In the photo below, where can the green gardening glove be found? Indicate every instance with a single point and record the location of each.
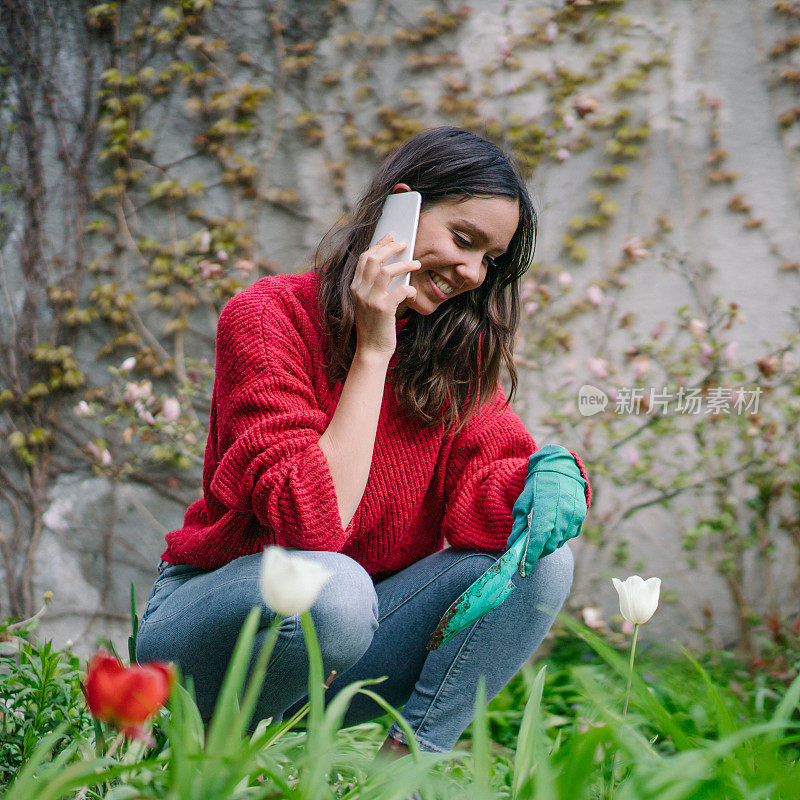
(550, 510)
(552, 506)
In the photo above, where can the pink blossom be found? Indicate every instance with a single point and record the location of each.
(641, 366)
(504, 46)
(551, 31)
(209, 269)
(634, 248)
(592, 617)
(632, 456)
(222, 255)
(627, 627)
(698, 327)
(243, 265)
(565, 278)
(569, 121)
(562, 154)
(595, 294)
(572, 364)
(131, 394)
(170, 410)
(100, 454)
(598, 367)
(138, 391)
(205, 241)
(730, 352)
(83, 409)
(128, 364)
(788, 362)
(706, 351)
(143, 413)
(782, 459)
(531, 308)
(528, 290)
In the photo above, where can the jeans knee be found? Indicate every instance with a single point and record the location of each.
(345, 616)
(558, 568)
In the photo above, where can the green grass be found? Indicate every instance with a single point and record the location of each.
(694, 730)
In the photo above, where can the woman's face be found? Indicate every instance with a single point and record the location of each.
(456, 242)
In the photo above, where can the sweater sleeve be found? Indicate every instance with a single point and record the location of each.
(268, 424)
(485, 473)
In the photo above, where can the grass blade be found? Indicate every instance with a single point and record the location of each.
(480, 738)
(530, 755)
(788, 704)
(134, 626)
(224, 719)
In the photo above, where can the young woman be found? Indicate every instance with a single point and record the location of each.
(367, 429)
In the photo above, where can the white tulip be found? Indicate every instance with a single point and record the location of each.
(290, 583)
(638, 599)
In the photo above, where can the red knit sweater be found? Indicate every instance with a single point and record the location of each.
(266, 481)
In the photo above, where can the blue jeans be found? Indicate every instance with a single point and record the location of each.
(193, 617)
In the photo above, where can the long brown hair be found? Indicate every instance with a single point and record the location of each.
(448, 362)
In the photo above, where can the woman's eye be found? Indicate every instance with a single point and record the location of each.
(464, 242)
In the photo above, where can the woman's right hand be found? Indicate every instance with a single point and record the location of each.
(375, 308)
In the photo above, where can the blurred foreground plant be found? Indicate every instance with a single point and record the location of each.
(683, 738)
(127, 696)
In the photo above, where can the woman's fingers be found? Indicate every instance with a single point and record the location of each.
(375, 306)
(370, 261)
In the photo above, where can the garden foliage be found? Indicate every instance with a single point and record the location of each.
(556, 732)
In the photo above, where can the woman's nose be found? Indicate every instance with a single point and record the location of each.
(470, 270)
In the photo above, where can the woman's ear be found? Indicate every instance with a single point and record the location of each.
(401, 187)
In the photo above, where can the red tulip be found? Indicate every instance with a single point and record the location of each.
(126, 696)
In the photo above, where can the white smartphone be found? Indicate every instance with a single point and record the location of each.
(400, 217)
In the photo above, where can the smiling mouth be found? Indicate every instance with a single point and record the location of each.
(443, 293)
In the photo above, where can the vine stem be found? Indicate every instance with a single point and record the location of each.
(630, 669)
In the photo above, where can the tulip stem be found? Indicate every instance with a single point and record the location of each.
(630, 669)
